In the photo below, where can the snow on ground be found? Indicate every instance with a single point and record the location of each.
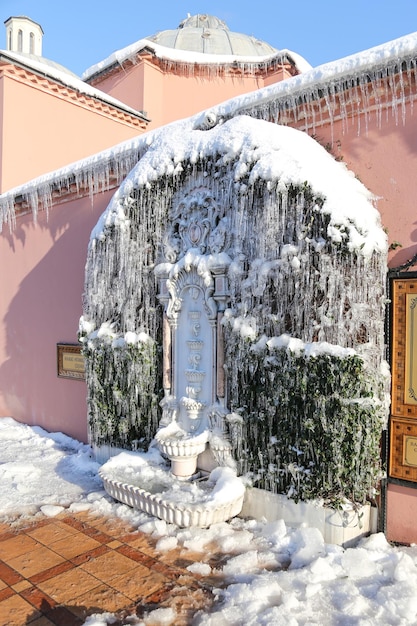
(273, 575)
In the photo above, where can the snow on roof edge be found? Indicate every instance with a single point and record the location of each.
(69, 80)
(184, 56)
(383, 56)
(361, 62)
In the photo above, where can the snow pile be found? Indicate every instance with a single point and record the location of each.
(272, 574)
(261, 151)
(298, 347)
(41, 470)
(149, 472)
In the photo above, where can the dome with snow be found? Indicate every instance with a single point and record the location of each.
(210, 35)
(32, 59)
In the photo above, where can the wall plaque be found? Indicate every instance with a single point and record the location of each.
(70, 361)
(410, 451)
(410, 387)
(403, 449)
(403, 420)
(404, 334)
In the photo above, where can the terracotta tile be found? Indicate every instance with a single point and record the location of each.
(65, 587)
(170, 572)
(142, 543)
(5, 593)
(4, 528)
(132, 537)
(100, 599)
(139, 583)
(184, 603)
(51, 572)
(16, 611)
(90, 555)
(42, 621)
(109, 565)
(181, 558)
(47, 535)
(72, 546)
(72, 522)
(62, 616)
(18, 545)
(9, 575)
(2, 585)
(136, 555)
(86, 516)
(161, 594)
(98, 535)
(35, 561)
(7, 534)
(39, 599)
(24, 584)
(115, 543)
(111, 526)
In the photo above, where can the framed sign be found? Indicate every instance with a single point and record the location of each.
(403, 421)
(410, 451)
(70, 361)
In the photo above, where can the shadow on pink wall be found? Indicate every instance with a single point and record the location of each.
(43, 310)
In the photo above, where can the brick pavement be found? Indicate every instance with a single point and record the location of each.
(58, 571)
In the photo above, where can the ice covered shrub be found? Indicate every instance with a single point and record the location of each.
(311, 424)
(124, 386)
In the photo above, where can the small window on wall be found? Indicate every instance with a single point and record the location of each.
(20, 41)
(9, 45)
(32, 43)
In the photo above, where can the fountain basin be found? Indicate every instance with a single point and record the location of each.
(182, 448)
(179, 444)
(140, 483)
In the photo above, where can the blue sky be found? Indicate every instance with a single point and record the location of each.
(79, 33)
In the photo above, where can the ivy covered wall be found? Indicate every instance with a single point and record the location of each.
(311, 425)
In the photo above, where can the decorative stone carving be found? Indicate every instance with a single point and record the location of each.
(198, 222)
(194, 294)
(195, 283)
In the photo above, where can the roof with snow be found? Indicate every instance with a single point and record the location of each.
(367, 67)
(60, 74)
(210, 35)
(203, 40)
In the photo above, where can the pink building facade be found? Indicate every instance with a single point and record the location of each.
(361, 111)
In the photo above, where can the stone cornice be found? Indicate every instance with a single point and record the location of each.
(86, 101)
(263, 68)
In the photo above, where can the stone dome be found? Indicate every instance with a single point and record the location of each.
(210, 35)
(48, 62)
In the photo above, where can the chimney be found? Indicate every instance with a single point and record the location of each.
(23, 35)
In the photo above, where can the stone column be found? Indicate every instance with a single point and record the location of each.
(166, 356)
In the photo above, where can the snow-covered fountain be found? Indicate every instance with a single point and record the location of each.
(233, 326)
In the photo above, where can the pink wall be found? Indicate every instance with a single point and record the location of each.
(198, 94)
(43, 131)
(166, 97)
(384, 159)
(1, 127)
(40, 306)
